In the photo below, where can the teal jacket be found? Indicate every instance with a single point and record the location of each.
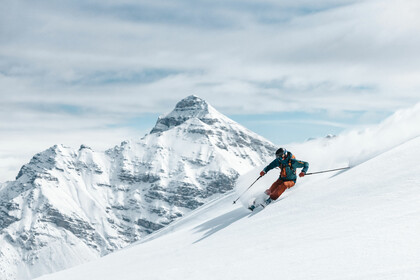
(287, 167)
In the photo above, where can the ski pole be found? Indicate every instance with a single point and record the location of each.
(246, 190)
(327, 170)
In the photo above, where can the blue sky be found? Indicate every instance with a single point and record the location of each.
(99, 72)
(285, 128)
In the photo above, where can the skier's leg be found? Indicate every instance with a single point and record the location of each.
(273, 187)
(289, 184)
(281, 188)
(277, 193)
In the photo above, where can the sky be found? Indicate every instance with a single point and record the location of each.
(99, 72)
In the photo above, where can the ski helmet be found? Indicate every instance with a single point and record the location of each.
(281, 152)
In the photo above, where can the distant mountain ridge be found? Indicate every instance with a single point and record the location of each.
(68, 206)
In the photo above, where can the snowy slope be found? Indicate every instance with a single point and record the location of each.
(68, 206)
(359, 224)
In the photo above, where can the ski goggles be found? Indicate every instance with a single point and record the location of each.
(282, 155)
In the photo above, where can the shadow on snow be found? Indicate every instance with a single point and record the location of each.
(214, 225)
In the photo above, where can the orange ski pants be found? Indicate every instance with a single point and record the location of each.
(278, 187)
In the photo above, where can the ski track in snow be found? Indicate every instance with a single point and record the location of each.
(359, 224)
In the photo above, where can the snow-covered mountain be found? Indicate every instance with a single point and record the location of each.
(363, 223)
(69, 206)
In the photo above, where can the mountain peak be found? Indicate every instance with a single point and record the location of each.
(192, 103)
(188, 108)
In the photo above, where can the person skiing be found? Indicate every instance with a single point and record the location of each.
(288, 164)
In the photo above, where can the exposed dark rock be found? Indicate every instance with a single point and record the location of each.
(128, 177)
(148, 225)
(6, 220)
(77, 226)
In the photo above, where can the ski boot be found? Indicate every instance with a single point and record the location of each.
(252, 207)
(268, 201)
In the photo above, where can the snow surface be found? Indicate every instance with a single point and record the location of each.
(362, 223)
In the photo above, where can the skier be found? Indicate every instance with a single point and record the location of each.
(288, 164)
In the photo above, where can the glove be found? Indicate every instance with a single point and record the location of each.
(262, 173)
(301, 174)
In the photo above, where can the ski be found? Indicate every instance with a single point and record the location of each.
(262, 205)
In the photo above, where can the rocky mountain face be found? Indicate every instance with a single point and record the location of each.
(69, 206)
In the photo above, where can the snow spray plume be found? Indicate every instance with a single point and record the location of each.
(246, 190)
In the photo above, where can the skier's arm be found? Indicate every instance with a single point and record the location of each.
(273, 164)
(300, 164)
